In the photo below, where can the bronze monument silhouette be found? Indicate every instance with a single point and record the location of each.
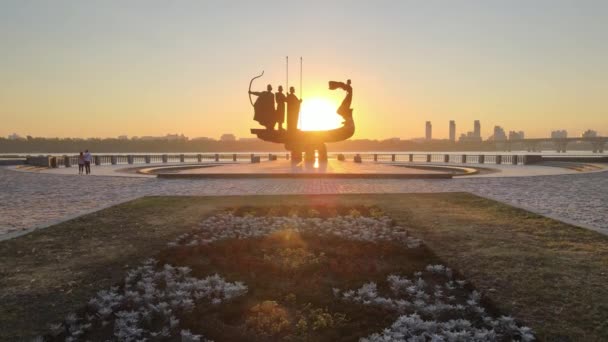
(281, 100)
(297, 141)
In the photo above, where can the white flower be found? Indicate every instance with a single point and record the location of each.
(187, 336)
(411, 327)
(150, 295)
(226, 225)
(56, 329)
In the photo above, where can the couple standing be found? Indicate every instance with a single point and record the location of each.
(84, 162)
(266, 113)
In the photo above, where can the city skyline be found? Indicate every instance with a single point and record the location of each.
(75, 69)
(212, 170)
(428, 134)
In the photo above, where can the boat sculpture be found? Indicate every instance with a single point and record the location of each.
(308, 142)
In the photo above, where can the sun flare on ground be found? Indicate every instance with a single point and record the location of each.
(319, 114)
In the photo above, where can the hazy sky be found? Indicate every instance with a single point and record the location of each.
(107, 68)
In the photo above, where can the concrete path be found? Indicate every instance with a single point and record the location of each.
(32, 200)
(286, 169)
(282, 166)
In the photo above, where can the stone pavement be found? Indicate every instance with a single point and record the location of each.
(282, 166)
(30, 200)
(285, 169)
(503, 170)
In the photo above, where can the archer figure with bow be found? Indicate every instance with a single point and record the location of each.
(297, 141)
(264, 107)
(265, 112)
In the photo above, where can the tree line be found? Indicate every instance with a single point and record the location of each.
(111, 145)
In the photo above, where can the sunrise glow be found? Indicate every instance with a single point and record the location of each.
(319, 114)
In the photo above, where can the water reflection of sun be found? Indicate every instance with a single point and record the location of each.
(319, 114)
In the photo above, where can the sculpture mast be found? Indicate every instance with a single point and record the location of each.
(300, 116)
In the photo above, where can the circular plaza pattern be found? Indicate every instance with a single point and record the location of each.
(35, 199)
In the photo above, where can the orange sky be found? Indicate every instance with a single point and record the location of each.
(156, 67)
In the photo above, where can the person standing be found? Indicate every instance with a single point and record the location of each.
(87, 162)
(293, 110)
(280, 99)
(81, 163)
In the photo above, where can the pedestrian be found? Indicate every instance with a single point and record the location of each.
(81, 163)
(87, 162)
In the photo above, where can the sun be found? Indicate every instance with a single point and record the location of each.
(319, 114)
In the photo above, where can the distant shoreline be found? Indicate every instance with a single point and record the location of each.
(62, 146)
(573, 153)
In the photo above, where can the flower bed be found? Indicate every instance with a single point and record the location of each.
(295, 274)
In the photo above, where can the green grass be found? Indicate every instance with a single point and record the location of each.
(549, 275)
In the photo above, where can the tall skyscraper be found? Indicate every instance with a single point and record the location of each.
(499, 134)
(477, 129)
(452, 131)
(429, 131)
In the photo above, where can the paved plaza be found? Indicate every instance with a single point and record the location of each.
(287, 169)
(29, 200)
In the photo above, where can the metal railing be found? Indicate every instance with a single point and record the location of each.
(442, 158)
(108, 159)
(121, 159)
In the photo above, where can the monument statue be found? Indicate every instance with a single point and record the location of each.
(280, 113)
(293, 110)
(264, 110)
(344, 110)
(297, 141)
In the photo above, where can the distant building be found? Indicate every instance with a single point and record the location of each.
(559, 134)
(202, 139)
(429, 131)
(123, 137)
(175, 137)
(15, 136)
(168, 137)
(499, 134)
(392, 140)
(452, 131)
(513, 135)
(469, 137)
(477, 128)
(227, 137)
(249, 139)
(474, 136)
(590, 134)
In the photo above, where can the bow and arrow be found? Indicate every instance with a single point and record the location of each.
(287, 79)
(251, 82)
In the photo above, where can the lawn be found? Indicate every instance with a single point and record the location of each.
(289, 283)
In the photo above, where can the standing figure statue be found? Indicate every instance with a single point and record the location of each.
(293, 110)
(280, 98)
(344, 110)
(265, 113)
(312, 144)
